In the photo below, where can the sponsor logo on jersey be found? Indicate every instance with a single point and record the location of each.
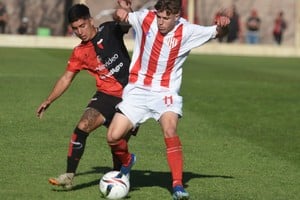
(116, 69)
(100, 66)
(112, 70)
(111, 60)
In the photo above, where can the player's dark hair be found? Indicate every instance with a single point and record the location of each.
(78, 11)
(170, 6)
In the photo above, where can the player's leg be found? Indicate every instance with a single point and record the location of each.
(131, 112)
(168, 122)
(169, 108)
(90, 120)
(116, 138)
(107, 106)
(100, 105)
(117, 164)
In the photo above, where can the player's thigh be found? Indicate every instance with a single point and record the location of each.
(106, 105)
(118, 128)
(135, 106)
(90, 120)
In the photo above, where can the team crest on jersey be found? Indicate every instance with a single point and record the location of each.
(172, 42)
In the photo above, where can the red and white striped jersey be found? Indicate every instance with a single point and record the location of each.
(157, 59)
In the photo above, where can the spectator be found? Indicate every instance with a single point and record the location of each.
(3, 17)
(234, 31)
(23, 28)
(253, 26)
(279, 27)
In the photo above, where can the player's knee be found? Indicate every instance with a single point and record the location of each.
(84, 126)
(170, 132)
(113, 138)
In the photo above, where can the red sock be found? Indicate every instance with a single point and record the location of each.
(120, 150)
(175, 159)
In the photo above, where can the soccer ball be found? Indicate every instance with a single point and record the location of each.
(112, 187)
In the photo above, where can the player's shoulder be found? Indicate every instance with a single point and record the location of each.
(108, 25)
(142, 13)
(107, 28)
(113, 27)
(190, 26)
(185, 22)
(82, 46)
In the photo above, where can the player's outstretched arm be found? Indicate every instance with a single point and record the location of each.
(59, 88)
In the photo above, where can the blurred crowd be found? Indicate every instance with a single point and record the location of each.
(243, 32)
(249, 31)
(23, 26)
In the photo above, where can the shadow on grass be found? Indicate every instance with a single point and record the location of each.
(144, 178)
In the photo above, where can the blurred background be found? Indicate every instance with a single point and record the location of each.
(48, 18)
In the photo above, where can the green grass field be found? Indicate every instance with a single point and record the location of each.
(240, 131)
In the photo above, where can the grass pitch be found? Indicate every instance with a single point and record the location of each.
(240, 131)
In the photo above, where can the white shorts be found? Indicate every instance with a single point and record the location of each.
(140, 104)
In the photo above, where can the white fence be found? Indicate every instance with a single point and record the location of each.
(211, 48)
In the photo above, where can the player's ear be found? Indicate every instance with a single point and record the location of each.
(92, 21)
(177, 16)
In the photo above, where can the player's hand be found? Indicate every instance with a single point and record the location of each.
(121, 15)
(222, 21)
(42, 108)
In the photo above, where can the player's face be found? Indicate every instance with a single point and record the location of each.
(166, 22)
(84, 29)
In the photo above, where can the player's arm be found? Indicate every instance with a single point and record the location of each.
(59, 88)
(222, 23)
(121, 14)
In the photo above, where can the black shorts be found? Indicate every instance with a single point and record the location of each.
(105, 104)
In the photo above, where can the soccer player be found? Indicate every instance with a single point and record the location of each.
(103, 54)
(162, 43)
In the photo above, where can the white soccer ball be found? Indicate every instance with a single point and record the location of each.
(112, 187)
